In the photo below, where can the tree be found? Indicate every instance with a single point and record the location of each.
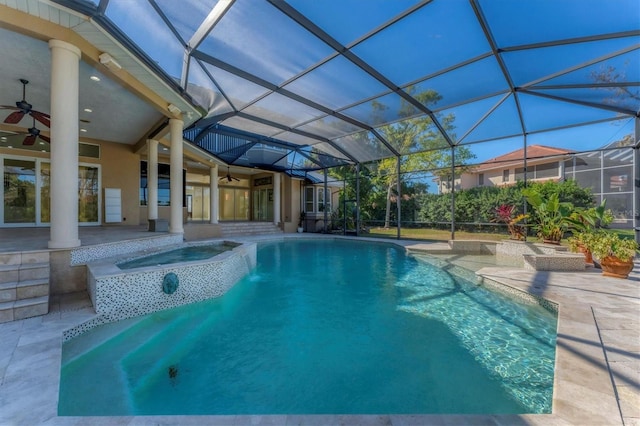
(420, 143)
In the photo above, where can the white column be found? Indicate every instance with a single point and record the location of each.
(276, 198)
(152, 179)
(175, 222)
(213, 194)
(65, 65)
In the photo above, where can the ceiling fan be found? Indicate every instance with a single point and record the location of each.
(23, 108)
(228, 177)
(32, 134)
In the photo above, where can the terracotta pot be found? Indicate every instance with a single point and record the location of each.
(614, 267)
(588, 258)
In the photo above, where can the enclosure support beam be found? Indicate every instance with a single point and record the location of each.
(344, 205)
(324, 200)
(358, 200)
(524, 201)
(398, 190)
(636, 179)
(453, 192)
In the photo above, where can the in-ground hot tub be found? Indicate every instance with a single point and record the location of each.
(137, 285)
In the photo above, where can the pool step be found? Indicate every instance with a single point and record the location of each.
(24, 285)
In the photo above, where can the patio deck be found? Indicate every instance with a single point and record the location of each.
(27, 239)
(597, 380)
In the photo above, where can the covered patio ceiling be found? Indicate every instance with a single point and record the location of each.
(306, 85)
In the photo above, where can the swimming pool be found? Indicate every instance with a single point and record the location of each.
(320, 327)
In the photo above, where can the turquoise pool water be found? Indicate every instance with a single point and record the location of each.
(338, 327)
(183, 254)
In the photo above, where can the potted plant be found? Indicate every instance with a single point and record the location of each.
(614, 253)
(301, 222)
(582, 223)
(551, 219)
(506, 213)
(579, 243)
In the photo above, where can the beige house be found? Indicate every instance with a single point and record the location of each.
(543, 163)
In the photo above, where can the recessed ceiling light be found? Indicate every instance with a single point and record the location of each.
(3, 138)
(88, 110)
(44, 150)
(41, 143)
(9, 146)
(83, 130)
(164, 148)
(95, 78)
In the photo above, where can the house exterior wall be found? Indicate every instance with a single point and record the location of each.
(121, 169)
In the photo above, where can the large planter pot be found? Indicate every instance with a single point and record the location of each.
(614, 267)
(548, 241)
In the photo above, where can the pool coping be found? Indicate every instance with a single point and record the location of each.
(586, 390)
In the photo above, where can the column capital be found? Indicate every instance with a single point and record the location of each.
(64, 45)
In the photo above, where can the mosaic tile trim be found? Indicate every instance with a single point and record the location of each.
(521, 295)
(84, 255)
(502, 288)
(132, 293)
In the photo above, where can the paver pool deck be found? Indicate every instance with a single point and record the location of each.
(597, 376)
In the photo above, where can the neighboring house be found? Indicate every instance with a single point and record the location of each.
(543, 163)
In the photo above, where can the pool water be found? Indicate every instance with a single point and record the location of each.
(183, 254)
(319, 327)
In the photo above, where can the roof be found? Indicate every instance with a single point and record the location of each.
(331, 82)
(536, 153)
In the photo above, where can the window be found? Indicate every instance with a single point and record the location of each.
(324, 201)
(88, 150)
(548, 170)
(88, 194)
(308, 199)
(164, 185)
(505, 175)
(539, 171)
(481, 179)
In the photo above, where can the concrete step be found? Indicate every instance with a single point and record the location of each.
(12, 291)
(25, 308)
(248, 229)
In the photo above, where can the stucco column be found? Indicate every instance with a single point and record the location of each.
(175, 222)
(213, 194)
(65, 65)
(152, 179)
(276, 198)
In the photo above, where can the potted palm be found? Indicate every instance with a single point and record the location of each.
(301, 222)
(551, 219)
(615, 254)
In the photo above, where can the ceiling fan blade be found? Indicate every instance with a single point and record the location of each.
(41, 117)
(9, 107)
(29, 140)
(45, 138)
(14, 117)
